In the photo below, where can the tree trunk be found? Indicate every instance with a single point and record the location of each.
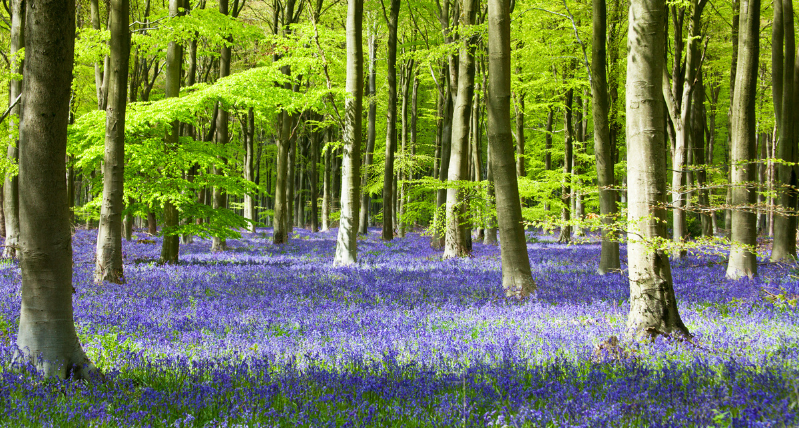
(784, 247)
(437, 240)
(521, 171)
(517, 278)
(402, 172)
(391, 123)
(100, 74)
(743, 258)
(248, 131)
(653, 305)
(108, 265)
(292, 183)
(222, 134)
(565, 212)
(347, 243)
(609, 254)
(491, 224)
(46, 335)
(327, 188)
(457, 242)
(11, 185)
(314, 182)
(363, 223)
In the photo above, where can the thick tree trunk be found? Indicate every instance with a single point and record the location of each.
(457, 242)
(347, 243)
(653, 305)
(743, 259)
(46, 335)
(517, 278)
(609, 254)
(363, 223)
(170, 248)
(108, 265)
(11, 185)
(783, 87)
(391, 123)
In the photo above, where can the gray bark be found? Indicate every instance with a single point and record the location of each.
(457, 242)
(566, 190)
(11, 184)
(347, 243)
(517, 278)
(46, 335)
(609, 254)
(653, 305)
(743, 259)
(327, 188)
(222, 134)
(371, 132)
(248, 135)
(108, 265)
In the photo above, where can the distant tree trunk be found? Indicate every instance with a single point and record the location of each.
(371, 132)
(609, 254)
(248, 135)
(521, 171)
(347, 243)
(327, 187)
(698, 119)
(548, 146)
(743, 259)
(108, 265)
(11, 184)
(152, 225)
(391, 123)
(314, 182)
(517, 278)
(100, 74)
(437, 240)
(491, 226)
(403, 172)
(46, 336)
(458, 240)
(783, 90)
(476, 150)
(222, 134)
(653, 305)
(565, 212)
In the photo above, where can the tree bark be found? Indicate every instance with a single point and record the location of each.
(783, 87)
(517, 278)
(371, 132)
(314, 181)
(46, 335)
(11, 184)
(108, 265)
(248, 135)
(327, 187)
(609, 254)
(566, 190)
(457, 242)
(222, 134)
(653, 305)
(391, 123)
(743, 259)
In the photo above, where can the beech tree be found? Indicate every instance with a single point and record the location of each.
(653, 305)
(347, 242)
(743, 259)
(11, 184)
(109, 234)
(46, 335)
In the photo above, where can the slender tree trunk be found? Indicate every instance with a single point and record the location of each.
(46, 335)
(291, 189)
(743, 259)
(437, 240)
(249, 166)
(391, 123)
(548, 146)
(517, 278)
(222, 135)
(457, 242)
(653, 305)
(280, 234)
(314, 182)
(565, 212)
(11, 185)
(698, 119)
(521, 171)
(402, 172)
(371, 132)
(347, 242)
(327, 188)
(783, 87)
(491, 226)
(108, 265)
(100, 74)
(609, 254)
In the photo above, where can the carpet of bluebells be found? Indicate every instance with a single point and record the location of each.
(265, 335)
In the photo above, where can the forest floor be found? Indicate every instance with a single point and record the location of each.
(265, 335)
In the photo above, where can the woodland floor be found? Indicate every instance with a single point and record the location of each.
(265, 335)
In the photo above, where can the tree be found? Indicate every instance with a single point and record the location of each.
(391, 121)
(108, 265)
(11, 184)
(46, 335)
(347, 243)
(517, 279)
(457, 241)
(653, 305)
(609, 256)
(371, 132)
(743, 259)
(783, 87)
